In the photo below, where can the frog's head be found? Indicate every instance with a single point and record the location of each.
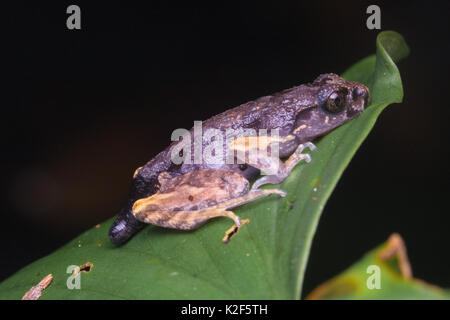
(335, 102)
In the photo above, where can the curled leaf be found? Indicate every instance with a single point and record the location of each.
(383, 273)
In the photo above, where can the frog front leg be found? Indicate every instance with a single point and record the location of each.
(253, 151)
(143, 210)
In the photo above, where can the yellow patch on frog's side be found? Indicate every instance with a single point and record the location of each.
(182, 198)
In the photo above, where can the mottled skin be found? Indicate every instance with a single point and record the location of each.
(187, 201)
(301, 114)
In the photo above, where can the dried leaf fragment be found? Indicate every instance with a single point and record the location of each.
(396, 248)
(35, 292)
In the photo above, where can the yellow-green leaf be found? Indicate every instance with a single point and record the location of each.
(383, 273)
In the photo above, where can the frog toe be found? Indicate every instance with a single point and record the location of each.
(272, 179)
(234, 230)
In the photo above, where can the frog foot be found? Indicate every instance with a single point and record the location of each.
(311, 146)
(285, 169)
(234, 229)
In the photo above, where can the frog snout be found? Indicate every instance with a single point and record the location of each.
(361, 92)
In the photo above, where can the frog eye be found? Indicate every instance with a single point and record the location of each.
(335, 101)
(243, 167)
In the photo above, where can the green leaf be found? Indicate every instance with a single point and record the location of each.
(266, 260)
(383, 273)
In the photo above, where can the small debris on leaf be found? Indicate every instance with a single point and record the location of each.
(35, 292)
(87, 267)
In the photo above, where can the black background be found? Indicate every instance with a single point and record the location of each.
(84, 108)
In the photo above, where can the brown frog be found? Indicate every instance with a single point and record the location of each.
(185, 195)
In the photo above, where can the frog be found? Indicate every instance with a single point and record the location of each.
(185, 195)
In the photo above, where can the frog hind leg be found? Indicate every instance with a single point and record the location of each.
(250, 152)
(232, 203)
(190, 220)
